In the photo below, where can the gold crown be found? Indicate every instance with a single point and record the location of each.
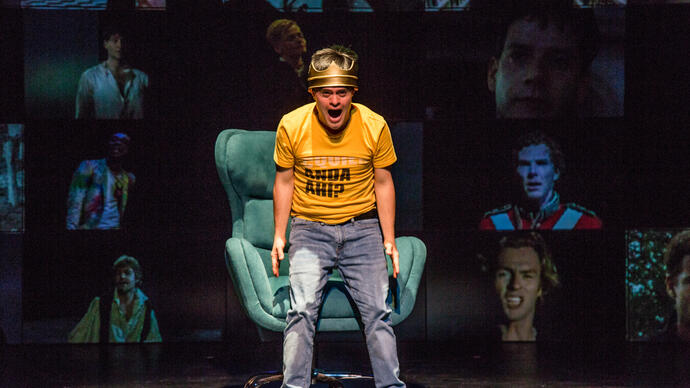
(332, 76)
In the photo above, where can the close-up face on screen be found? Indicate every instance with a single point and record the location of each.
(525, 287)
(658, 285)
(531, 63)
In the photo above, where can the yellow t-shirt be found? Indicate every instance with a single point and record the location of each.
(334, 175)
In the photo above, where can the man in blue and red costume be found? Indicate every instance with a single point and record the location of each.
(539, 163)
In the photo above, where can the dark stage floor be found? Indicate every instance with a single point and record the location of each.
(423, 364)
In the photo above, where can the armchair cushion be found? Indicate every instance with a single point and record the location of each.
(258, 222)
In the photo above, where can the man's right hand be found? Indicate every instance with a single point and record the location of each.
(277, 254)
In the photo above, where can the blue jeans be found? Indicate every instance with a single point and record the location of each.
(356, 249)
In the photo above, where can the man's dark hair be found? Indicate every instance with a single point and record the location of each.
(111, 30)
(676, 250)
(561, 13)
(536, 138)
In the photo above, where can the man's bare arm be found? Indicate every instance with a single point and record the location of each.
(282, 203)
(385, 203)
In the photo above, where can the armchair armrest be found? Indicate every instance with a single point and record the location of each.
(251, 283)
(412, 259)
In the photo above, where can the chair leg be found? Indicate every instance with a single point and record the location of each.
(261, 379)
(332, 379)
(332, 382)
(338, 377)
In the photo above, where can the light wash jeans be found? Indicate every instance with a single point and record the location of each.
(356, 249)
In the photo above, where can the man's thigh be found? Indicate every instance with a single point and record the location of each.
(312, 253)
(363, 265)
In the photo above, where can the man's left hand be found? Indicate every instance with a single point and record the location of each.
(392, 251)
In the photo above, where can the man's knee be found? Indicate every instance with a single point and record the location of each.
(303, 313)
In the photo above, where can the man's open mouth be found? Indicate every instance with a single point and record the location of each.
(335, 113)
(513, 301)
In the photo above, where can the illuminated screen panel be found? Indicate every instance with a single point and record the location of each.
(92, 286)
(153, 5)
(319, 6)
(65, 4)
(95, 5)
(658, 2)
(579, 74)
(468, 296)
(446, 5)
(651, 302)
(70, 58)
(12, 182)
(462, 5)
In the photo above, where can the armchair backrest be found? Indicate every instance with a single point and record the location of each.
(244, 160)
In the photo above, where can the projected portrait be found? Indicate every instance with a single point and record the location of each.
(543, 68)
(158, 5)
(100, 188)
(446, 5)
(112, 89)
(523, 274)
(350, 6)
(126, 315)
(538, 164)
(279, 86)
(658, 2)
(526, 59)
(658, 285)
(94, 5)
(12, 181)
(463, 5)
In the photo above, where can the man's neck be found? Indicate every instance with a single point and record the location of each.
(115, 166)
(546, 201)
(536, 207)
(126, 298)
(295, 62)
(520, 331)
(114, 64)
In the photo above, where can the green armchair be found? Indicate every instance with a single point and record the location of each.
(244, 160)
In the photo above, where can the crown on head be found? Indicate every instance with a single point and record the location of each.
(332, 76)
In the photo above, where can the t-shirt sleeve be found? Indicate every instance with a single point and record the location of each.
(385, 153)
(282, 154)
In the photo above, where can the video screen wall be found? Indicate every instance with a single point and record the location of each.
(12, 198)
(542, 159)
